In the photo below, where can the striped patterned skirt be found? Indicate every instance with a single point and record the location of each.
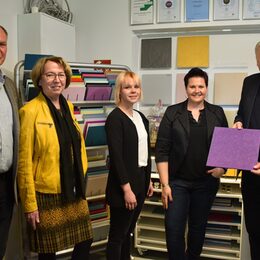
(61, 225)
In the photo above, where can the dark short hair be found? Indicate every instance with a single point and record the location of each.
(196, 72)
(5, 31)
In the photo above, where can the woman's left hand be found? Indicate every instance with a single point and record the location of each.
(150, 190)
(216, 172)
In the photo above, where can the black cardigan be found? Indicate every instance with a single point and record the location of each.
(122, 141)
(173, 136)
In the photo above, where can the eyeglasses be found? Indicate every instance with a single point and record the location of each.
(52, 76)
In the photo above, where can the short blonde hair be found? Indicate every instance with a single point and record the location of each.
(122, 79)
(38, 69)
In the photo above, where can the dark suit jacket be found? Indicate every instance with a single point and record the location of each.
(249, 91)
(13, 97)
(173, 136)
(122, 141)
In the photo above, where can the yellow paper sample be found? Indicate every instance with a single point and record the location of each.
(193, 51)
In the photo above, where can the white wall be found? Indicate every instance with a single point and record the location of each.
(8, 18)
(102, 30)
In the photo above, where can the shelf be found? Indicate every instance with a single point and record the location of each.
(95, 103)
(234, 249)
(230, 180)
(151, 236)
(157, 190)
(155, 176)
(150, 211)
(101, 196)
(100, 223)
(236, 209)
(231, 236)
(192, 28)
(238, 225)
(98, 163)
(229, 195)
(151, 246)
(151, 224)
(220, 255)
(158, 203)
(99, 147)
(100, 242)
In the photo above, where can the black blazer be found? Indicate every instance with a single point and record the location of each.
(248, 95)
(122, 139)
(173, 136)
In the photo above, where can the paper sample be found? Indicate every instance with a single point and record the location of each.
(193, 51)
(234, 148)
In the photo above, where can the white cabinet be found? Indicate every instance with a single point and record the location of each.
(39, 33)
(226, 236)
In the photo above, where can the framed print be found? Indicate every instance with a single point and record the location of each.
(142, 11)
(197, 10)
(251, 9)
(226, 10)
(168, 11)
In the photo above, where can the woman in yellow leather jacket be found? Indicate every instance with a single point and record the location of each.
(52, 166)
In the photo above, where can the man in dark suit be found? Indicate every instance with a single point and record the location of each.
(9, 138)
(248, 116)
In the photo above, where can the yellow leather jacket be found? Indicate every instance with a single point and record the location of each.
(39, 152)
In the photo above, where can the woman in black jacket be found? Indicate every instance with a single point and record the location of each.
(130, 165)
(188, 186)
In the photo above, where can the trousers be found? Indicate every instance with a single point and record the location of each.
(191, 205)
(6, 209)
(250, 188)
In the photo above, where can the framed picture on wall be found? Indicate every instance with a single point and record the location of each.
(142, 12)
(168, 11)
(196, 10)
(226, 9)
(251, 9)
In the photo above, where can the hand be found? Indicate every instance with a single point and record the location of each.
(129, 197)
(150, 190)
(256, 169)
(216, 172)
(33, 218)
(166, 195)
(238, 125)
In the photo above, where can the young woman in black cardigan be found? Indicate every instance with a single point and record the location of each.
(130, 165)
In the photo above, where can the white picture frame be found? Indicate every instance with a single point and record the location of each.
(142, 12)
(226, 10)
(168, 11)
(251, 9)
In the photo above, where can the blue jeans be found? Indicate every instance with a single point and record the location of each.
(191, 204)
